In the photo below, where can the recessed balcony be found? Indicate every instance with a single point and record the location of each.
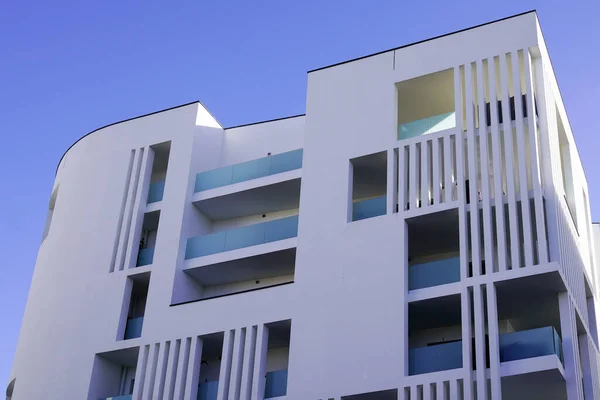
(246, 171)
(156, 191)
(246, 236)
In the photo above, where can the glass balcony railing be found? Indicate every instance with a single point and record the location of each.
(427, 125)
(155, 192)
(369, 208)
(134, 328)
(123, 397)
(531, 343)
(254, 169)
(208, 390)
(434, 273)
(439, 357)
(245, 236)
(276, 384)
(145, 256)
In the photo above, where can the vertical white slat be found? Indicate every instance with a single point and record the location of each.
(473, 197)
(509, 160)
(193, 370)
(454, 389)
(494, 346)
(172, 370)
(124, 199)
(151, 372)
(161, 372)
(182, 365)
(140, 373)
(497, 162)
(480, 342)
(448, 170)
(139, 209)
(260, 362)
(427, 391)
(488, 237)
(129, 207)
(403, 307)
(460, 143)
(570, 346)
(436, 165)
(413, 176)
(425, 173)
(236, 364)
(414, 392)
(225, 372)
(402, 183)
(522, 162)
(404, 393)
(440, 391)
(248, 365)
(465, 316)
(391, 182)
(536, 178)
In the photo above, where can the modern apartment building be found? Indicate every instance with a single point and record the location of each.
(422, 232)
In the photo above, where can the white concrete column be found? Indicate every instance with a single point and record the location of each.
(237, 363)
(493, 335)
(467, 349)
(193, 371)
(570, 347)
(248, 364)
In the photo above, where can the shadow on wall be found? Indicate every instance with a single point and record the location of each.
(10, 388)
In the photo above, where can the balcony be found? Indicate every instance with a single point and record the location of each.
(208, 390)
(369, 208)
(276, 383)
(155, 192)
(440, 357)
(123, 397)
(134, 328)
(145, 256)
(238, 238)
(427, 125)
(434, 273)
(254, 169)
(530, 343)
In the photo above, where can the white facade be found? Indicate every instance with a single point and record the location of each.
(329, 255)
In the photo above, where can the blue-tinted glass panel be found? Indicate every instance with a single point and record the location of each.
(276, 384)
(245, 236)
(156, 191)
(145, 256)
(134, 328)
(124, 397)
(440, 357)
(208, 390)
(528, 344)
(249, 170)
(286, 161)
(213, 178)
(369, 208)
(434, 273)
(426, 125)
(280, 229)
(204, 245)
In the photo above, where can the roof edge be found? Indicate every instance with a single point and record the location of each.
(266, 121)
(423, 41)
(126, 120)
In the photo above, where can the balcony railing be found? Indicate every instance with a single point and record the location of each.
(245, 236)
(513, 346)
(434, 273)
(208, 390)
(439, 357)
(427, 125)
(254, 169)
(145, 256)
(369, 208)
(276, 384)
(531, 343)
(155, 192)
(123, 397)
(134, 328)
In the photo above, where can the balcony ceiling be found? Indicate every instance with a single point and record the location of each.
(278, 263)
(261, 200)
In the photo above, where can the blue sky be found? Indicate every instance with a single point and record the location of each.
(67, 68)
